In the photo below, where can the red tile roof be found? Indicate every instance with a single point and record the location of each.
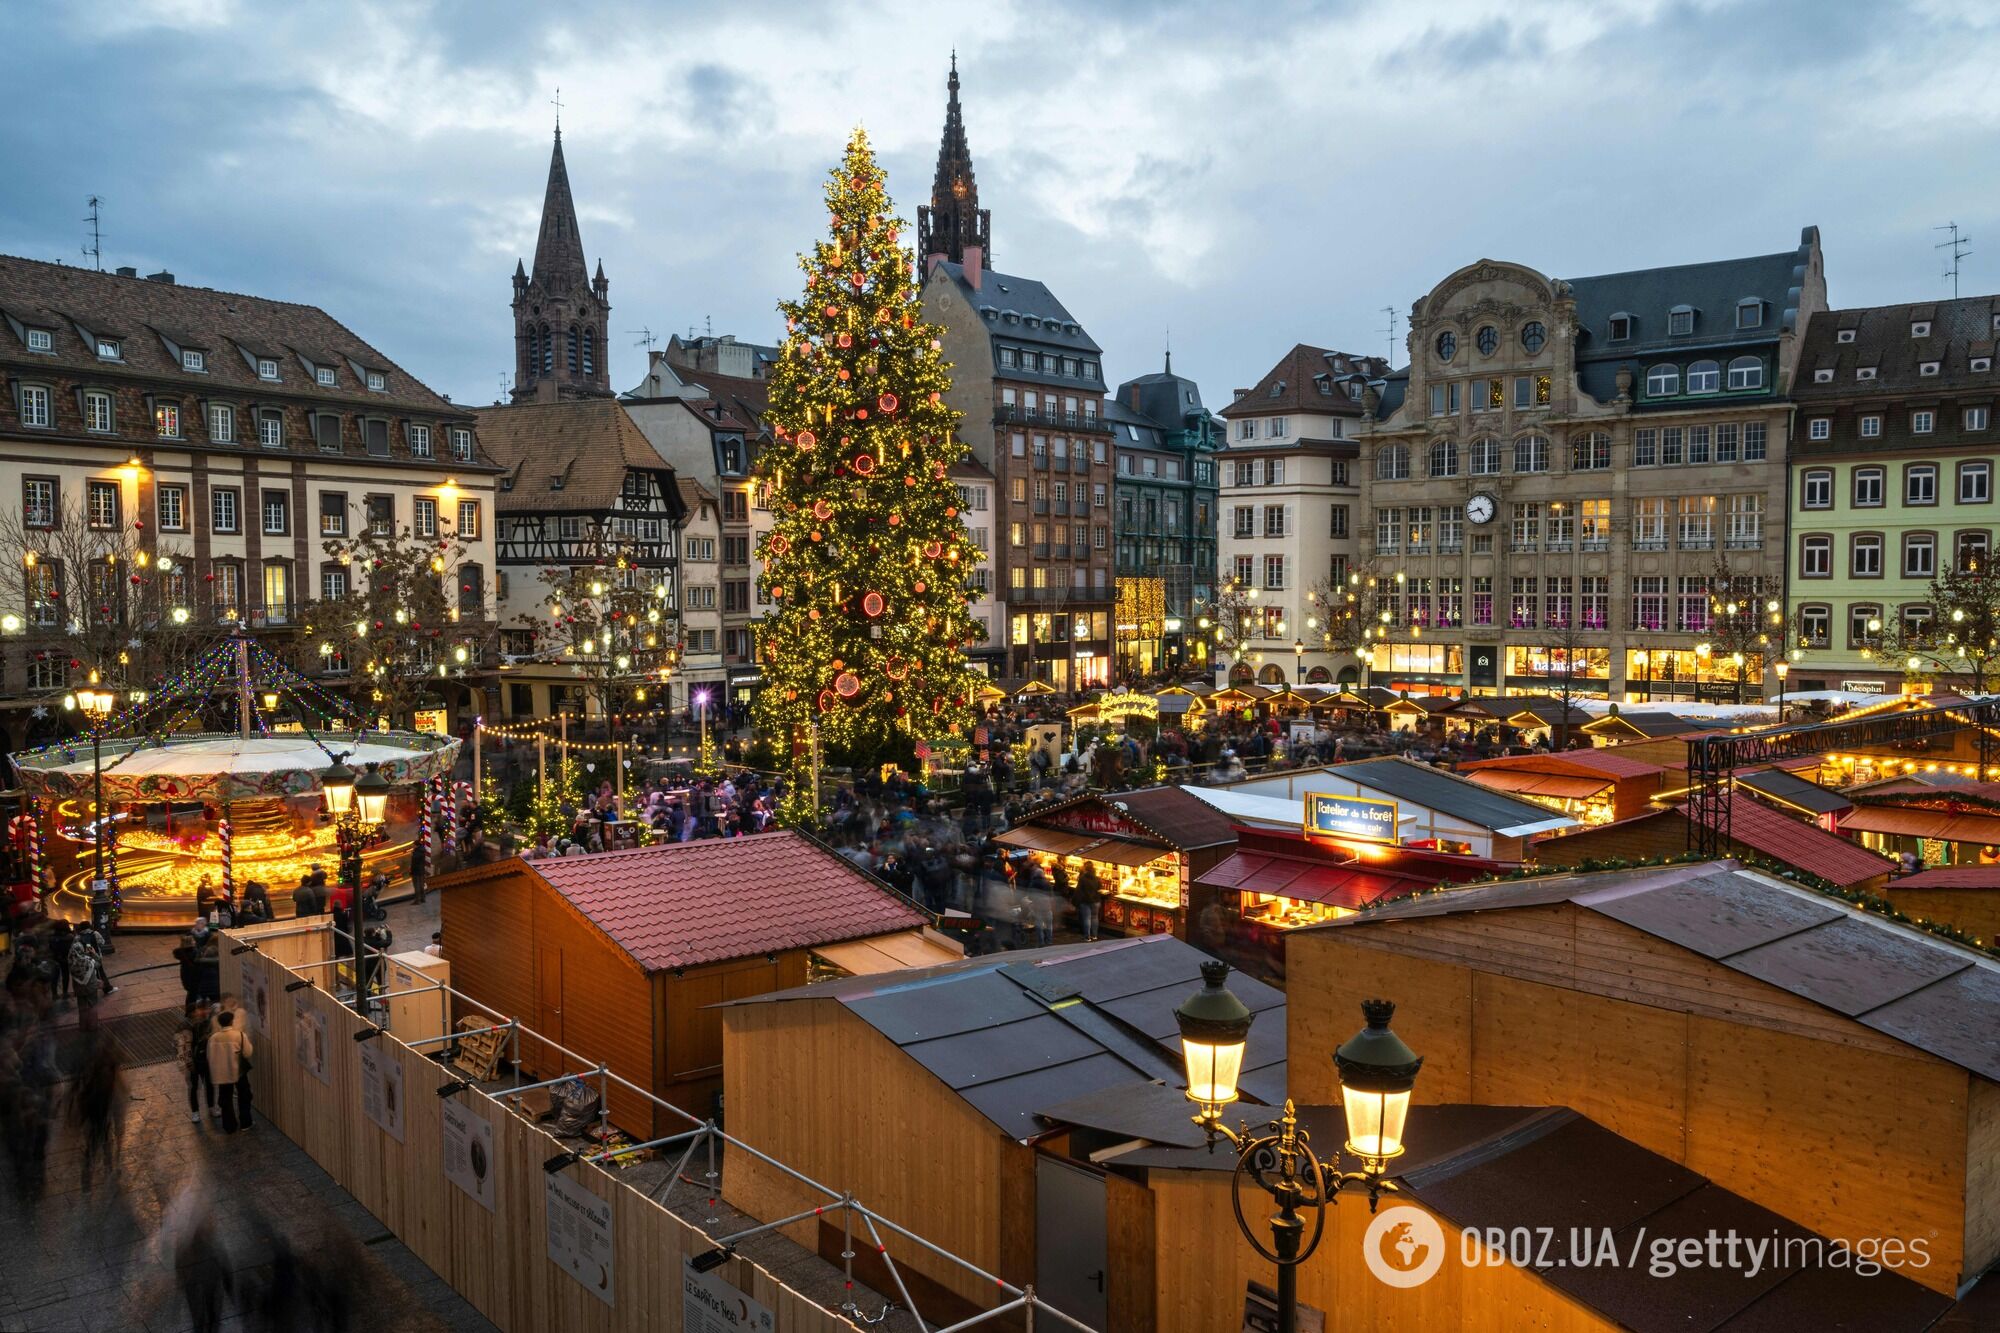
(684, 904)
(1309, 880)
(1952, 877)
(1807, 847)
(1576, 762)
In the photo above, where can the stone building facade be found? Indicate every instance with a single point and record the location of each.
(1575, 478)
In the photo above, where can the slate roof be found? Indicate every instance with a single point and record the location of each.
(745, 400)
(1309, 379)
(568, 455)
(1007, 302)
(1607, 762)
(1916, 987)
(1796, 843)
(1449, 794)
(1792, 789)
(688, 903)
(1015, 1033)
(153, 319)
(1653, 725)
(1961, 329)
(1712, 288)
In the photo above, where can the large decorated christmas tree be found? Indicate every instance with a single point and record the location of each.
(866, 561)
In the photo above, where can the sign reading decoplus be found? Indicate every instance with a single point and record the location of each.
(1351, 817)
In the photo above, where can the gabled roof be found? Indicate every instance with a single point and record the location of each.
(1806, 846)
(1172, 814)
(569, 455)
(1927, 992)
(1790, 789)
(1309, 379)
(688, 903)
(1583, 763)
(1652, 726)
(1952, 877)
(744, 400)
(1015, 1033)
(1449, 794)
(232, 328)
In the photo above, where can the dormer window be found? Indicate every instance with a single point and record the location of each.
(1920, 328)
(1621, 328)
(1324, 383)
(108, 349)
(377, 381)
(1278, 389)
(1749, 313)
(461, 444)
(1927, 368)
(1844, 336)
(41, 340)
(1981, 364)
(1680, 321)
(267, 368)
(324, 375)
(555, 481)
(194, 361)
(1822, 376)
(1864, 373)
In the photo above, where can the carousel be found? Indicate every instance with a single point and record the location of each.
(159, 817)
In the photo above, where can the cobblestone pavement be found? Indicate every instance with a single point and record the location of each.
(91, 1259)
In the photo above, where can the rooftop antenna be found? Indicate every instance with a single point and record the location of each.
(1960, 247)
(504, 377)
(1390, 311)
(708, 325)
(646, 339)
(1170, 349)
(95, 250)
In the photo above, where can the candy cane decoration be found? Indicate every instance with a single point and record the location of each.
(26, 834)
(228, 855)
(424, 825)
(461, 799)
(41, 840)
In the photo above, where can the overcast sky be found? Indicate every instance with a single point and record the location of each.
(1249, 176)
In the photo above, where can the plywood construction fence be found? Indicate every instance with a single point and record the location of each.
(1833, 1124)
(369, 1114)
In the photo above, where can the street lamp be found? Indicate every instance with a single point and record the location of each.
(357, 805)
(1298, 662)
(1377, 1073)
(1783, 668)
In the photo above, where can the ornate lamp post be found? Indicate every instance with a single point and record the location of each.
(358, 806)
(1377, 1072)
(96, 705)
(1298, 662)
(1783, 668)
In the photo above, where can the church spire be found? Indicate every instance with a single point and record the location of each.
(953, 221)
(561, 313)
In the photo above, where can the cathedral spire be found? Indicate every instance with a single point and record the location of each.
(559, 249)
(953, 221)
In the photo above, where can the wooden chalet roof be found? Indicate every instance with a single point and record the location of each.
(1171, 814)
(1927, 992)
(1797, 843)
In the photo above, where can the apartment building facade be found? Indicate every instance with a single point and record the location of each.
(1029, 383)
(1164, 442)
(1892, 479)
(220, 440)
(1573, 477)
(1290, 510)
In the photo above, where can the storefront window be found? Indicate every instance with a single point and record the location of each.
(1422, 659)
(1687, 668)
(1539, 660)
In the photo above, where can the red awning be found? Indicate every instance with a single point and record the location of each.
(1309, 881)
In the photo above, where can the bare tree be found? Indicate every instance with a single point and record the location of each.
(1743, 625)
(408, 612)
(614, 623)
(90, 602)
(1345, 613)
(1959, 638)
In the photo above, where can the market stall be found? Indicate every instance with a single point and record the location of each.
(1592, 786)
(1147, 847)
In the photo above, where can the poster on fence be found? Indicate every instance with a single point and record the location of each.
(382, 1090)
(257, 997)
(580, 1234)
(309, 1037)
(710, 1305)
(468, 1150)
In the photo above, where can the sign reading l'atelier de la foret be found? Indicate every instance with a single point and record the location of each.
(1351, 817)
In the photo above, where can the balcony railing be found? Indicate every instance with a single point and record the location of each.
(1451, 548)
(1041, 506)
(1558, 544)
(1745, 543)
(1014, 414)
(1041, 550)
(1594, 544)
(1649, 543)
(1697, 543)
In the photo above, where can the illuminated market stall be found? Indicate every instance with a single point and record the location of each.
(1147, 848)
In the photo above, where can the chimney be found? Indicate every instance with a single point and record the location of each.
(973, 257)
(128, 272)
(1135, 398)
(161, 276)
(1240, 395)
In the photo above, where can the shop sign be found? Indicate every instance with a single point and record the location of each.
(1861, 686)
(1351, 817)
(1485, 663)
(711, 1305)
(1096, 819)
(1113, 706)
(432, 720)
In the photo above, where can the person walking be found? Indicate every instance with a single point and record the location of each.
(420, 867)
(191, 1045)
(1089, 900)
(229, 1053)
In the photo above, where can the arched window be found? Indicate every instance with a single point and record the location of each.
(1393, 463)
(1271, 675)
(1485, 457)
(1531, 453)
(1663, 381)
(1746, 372)
(589, 352)
(548, 352)
(572, 360)
(1704, 377)
(1444, 459)
(1241, 674)
(1318, 675)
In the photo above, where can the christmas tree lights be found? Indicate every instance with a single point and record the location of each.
(867, 560)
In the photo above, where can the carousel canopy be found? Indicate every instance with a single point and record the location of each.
(223, 768)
